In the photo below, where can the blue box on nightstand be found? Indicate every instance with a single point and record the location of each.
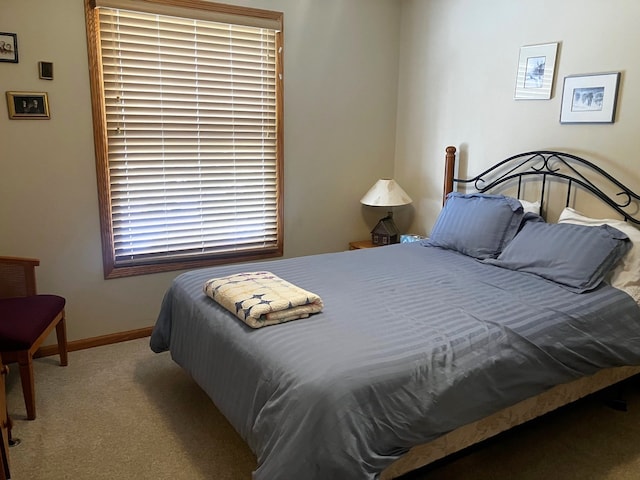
(410, 237)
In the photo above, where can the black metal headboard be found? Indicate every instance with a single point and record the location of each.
(545, 164)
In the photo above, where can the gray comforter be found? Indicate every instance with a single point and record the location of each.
(413, 342)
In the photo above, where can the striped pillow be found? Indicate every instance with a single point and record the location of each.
(478, 225)
(575, 256)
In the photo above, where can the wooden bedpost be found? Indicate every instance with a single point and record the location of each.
(449, 167)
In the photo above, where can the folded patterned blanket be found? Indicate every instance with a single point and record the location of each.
(261, 298)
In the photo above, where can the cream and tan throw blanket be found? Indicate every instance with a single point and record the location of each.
(260, 299)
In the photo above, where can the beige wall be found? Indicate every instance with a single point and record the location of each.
(457, 79)
(341, 63)
(362, 78)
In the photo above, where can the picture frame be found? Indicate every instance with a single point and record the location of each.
(8, 47)
(28, 105)
(536, 70)
(45, 70)
(590, 98)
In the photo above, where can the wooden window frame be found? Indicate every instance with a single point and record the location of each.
(202, 10)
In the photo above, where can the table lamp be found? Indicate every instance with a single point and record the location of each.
(385, 193)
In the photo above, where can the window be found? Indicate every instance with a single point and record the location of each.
(187, 108)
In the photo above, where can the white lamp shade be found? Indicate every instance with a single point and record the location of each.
(386, 193)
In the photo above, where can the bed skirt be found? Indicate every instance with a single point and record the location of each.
(470, 434)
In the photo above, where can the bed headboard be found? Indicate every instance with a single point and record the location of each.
(545, 166)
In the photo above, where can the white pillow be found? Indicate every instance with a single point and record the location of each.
(530, 207)
(626, 276)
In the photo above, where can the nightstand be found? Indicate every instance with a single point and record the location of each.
(362, 244)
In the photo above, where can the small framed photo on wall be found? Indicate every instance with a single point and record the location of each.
(45, 70)
(28, 105)
(8, 47)
(536, 68)
(590, 98)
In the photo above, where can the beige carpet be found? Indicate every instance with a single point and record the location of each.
(123, 412)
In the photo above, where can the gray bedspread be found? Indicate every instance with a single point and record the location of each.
(413, 342)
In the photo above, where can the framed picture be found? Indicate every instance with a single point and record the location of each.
(45, 70)
(8, 47)
(536, 67)
(590, 98)
(28, 105)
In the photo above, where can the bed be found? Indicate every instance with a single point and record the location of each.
(422, 349)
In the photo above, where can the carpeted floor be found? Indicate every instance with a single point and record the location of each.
(123, 412)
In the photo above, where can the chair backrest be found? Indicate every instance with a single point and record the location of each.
(18, 276)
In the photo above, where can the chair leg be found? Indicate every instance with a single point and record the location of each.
(61, 334)
(25, 362)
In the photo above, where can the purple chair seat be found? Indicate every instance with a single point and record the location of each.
(20, 335)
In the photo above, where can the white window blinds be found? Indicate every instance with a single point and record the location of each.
(191, 135)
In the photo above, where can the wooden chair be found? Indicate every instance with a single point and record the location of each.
(5, 428)
(26, 320)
